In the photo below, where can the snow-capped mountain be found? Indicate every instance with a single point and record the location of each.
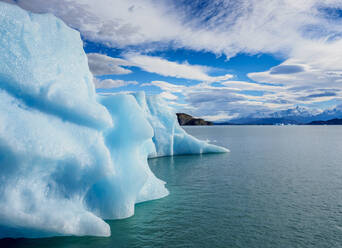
(297, 115)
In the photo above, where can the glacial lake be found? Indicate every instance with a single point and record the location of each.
(280, 186)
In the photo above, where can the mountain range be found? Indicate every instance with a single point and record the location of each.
(297, 116)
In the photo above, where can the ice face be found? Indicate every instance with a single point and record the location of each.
(69, 158)
(129, 143)
(169, 137)
(63, 164)
(41, 61)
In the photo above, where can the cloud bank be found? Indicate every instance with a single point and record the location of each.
(100, 64)
(110, 83)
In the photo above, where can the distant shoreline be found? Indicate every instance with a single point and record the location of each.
(335, 122)
(188, 120)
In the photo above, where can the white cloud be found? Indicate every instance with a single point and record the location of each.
(100, 64)
(173, 69)
(219, 116)
(168, 96)
(241, 85)
(110, 83)
(321, 68)
(221, 26)
(165, 86)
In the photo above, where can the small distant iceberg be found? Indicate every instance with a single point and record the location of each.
(70, 158)
(169, 137)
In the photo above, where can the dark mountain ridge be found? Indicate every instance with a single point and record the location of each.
(188, 120)
(334, 121)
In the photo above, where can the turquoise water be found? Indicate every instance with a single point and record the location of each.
(278, 187)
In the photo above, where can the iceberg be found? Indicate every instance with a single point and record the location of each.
(70, 158)
(169, 137)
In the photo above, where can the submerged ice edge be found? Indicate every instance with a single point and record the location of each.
(70, 158)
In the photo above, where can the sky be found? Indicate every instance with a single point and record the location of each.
(219, 59)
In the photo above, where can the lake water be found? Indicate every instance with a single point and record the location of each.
(280, 186)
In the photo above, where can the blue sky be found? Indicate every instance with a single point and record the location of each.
(219, 59)
(239, 65)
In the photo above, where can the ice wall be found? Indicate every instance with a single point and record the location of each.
(64, 166)
(69, 158)
(169, 137)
